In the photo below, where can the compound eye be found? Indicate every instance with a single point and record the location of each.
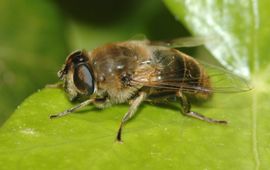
(83, 79)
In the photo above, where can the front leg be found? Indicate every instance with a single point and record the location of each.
(73, 109)
(55, 85)
(131, 112)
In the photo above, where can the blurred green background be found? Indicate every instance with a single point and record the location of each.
(37, 35)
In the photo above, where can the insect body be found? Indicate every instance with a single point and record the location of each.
(135, 71)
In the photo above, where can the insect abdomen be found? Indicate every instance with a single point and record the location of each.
(195, 77)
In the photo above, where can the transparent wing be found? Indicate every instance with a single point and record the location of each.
(224, 81)
(184, 42)
(139, 36)
(221, 80)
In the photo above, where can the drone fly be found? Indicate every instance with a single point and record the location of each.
(141, 70)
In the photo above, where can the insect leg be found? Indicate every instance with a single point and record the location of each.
(55, 85)
(73, 109)
(187, 112)
(132, 110)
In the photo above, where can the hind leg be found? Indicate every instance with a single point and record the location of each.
(187, 112)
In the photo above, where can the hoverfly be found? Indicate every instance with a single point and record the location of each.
(139, 70)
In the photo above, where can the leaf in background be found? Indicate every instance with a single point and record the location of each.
(158, 137)
(232, 25)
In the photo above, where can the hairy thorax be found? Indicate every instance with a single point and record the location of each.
(114, 66)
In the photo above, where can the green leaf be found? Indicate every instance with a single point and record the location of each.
(159, 137)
